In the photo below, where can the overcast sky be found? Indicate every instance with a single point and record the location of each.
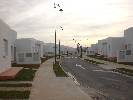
(85, 20)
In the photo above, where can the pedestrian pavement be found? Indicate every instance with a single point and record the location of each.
(47, 86)
(110, 65)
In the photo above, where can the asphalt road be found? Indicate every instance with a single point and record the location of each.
(107, 84)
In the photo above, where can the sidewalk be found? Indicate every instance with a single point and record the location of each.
(47, 86)
(111, 65)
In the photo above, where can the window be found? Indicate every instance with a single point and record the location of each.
(21, 55)
(35, 56)
(128, 52)
(5, 51)
(28, 54)
(122, 54)
(128, 46)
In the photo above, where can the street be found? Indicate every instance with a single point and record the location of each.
(106, 84)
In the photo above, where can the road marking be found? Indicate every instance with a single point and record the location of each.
(98, 70)
(72, 77)
(69, 74)
(76, 82)
(102, 71)
(80, 66)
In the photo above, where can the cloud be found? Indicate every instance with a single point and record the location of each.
(93, 19)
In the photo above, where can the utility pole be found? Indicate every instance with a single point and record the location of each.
(81, 51)
(55, 46)
(59, 49)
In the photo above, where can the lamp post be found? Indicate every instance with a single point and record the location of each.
(55, 6)
(59, 49)
(81, 51)
(55, 46)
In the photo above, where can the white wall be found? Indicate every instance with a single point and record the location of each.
(128, 35)
(102, 47)
(13, 39)
(27, 46)
(5, 60)
(49, 49)
(94, 48)
(126, 55)
(114, 44)
(40, 45)
(90, 51)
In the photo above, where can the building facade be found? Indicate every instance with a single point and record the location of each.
(28, 51)
(126, 55)
(6, 43)
(102, 47)
(114, 44)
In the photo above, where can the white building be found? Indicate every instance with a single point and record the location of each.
(7, 38)
(94, 48)
(28, 51)
(114, 44)
(49, 49)
(40, 46)
(126, 55)
(90, 51)
(102, 47)
(13, 48)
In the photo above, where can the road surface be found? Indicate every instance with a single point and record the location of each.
(101, 84)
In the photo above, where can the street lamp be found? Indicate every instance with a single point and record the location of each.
(55, 46)
(61, 10)
(79, 48)
(59, 49)
(58, 5)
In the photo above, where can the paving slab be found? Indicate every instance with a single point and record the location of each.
(10, 73)
(47, 86)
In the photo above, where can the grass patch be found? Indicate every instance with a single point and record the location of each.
(58, 70)
(26, 65)
(14, 94)
(93, 61)
(25, 75)
(128, 72)
(101, 57)
(16, 85)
